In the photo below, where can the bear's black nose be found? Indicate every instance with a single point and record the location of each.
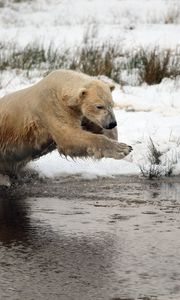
(112, 125)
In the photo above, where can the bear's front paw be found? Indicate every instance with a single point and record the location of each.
(109, 149)
(117, 150)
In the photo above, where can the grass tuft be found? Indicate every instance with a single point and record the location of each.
(155, 65)
(173, 15)
(154, 153)
(96, 60)
(158, 164)
(152, 172)
(153, 169)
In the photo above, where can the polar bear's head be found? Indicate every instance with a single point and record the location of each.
(96, 104)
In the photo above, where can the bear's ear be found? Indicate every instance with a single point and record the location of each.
(111, 86)
(82, 93)
(76, 101)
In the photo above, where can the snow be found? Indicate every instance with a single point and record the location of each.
(53, 165)
(132, 22)
(143, 112)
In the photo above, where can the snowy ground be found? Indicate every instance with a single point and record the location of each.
(143, 112)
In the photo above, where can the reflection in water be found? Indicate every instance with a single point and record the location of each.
(117, 247)
(14, 220)
(36, 262)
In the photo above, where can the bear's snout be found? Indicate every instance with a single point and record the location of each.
(112, 125)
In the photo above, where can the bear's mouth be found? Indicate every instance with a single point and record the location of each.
(91, 126)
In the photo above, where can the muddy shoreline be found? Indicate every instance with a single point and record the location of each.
(72, 185)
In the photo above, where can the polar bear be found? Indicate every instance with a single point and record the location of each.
(67, 110)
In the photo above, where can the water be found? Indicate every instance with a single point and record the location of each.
(82, 240)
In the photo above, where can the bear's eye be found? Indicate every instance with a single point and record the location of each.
(99, 106)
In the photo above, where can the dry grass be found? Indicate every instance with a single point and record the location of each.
(173, 15)
(91, 59)
(154, 154)
(155, 65)
(157, 166)
(153, 170)
(94, 59)
(31, 57)
(4, 3)
(98, 60)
